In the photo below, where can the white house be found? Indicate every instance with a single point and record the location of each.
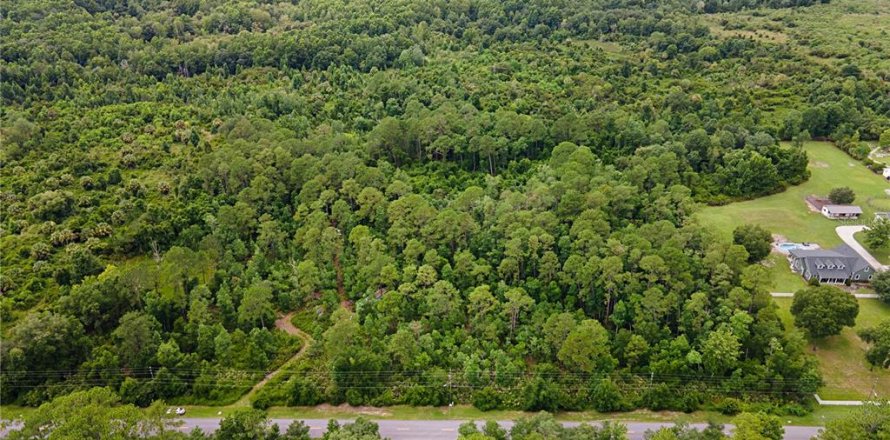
(841, 211)
(887, 173)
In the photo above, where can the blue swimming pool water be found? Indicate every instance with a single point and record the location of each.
(789, 246)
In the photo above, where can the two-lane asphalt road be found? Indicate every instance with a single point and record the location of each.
(447, 429)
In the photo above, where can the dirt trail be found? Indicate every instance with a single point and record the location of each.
(282, 323)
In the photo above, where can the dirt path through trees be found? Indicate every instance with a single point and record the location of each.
(282, 323)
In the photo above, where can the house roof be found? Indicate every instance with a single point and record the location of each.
(840, 262)
(885, 215)
(843, 209)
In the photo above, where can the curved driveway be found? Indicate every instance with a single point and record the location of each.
(846, 234)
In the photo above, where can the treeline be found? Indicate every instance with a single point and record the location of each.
(496, 201)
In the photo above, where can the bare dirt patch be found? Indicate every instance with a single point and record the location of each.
(815, 203)
(819, 164)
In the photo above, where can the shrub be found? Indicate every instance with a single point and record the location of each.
(842, 195)
(755, 239)
(730, 406)
(607, 397)
(486, 399)
(303, 392)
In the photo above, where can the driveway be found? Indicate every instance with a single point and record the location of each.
(846, 234)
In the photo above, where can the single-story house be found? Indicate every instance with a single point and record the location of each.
(841, 211)
(831, 266)
(887, 173)
(882, 216)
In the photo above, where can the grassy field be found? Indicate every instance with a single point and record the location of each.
(783, 279)
(882, 253)
(787, 213)
(854, 24)
(842, 358)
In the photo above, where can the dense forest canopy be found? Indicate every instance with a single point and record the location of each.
(473, 201)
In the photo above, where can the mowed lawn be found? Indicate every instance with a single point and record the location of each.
(781, 277)
(786, 213)
(881, 253)
(842, 362)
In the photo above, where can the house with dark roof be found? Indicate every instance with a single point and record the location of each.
(831, 266)
(841, 211)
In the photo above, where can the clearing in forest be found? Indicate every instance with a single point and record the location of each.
(786, 213)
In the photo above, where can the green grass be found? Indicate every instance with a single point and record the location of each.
(882, 253)
(841, 358)
(783, 279)
(787, 213)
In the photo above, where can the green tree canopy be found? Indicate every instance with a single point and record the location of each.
(824, 311)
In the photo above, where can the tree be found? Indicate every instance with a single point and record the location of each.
(137, 339)
(842, 195)
(517, 301)
(307, 278)
(867, 422)
(720, 351)
(755, 239)
(881, 283)
(96, 414)
(757, 426)
(256, 306)
(557, 329)
(246, 424)
(747, 173)
(361, 429)
(586, 349)
(878, 353)
(823, 311)
(682, 431)
(297, 430)
(884, 140)
(878, 234)
(46, 341)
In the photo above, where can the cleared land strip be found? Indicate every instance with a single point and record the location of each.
(282, 323)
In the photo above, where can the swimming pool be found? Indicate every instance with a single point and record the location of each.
(789, 246)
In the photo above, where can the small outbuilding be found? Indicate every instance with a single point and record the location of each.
(887, 173)
(841, 212)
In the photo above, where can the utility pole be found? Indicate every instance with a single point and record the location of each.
(450, 391)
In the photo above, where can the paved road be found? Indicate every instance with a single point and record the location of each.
(846, 234)
(447, 429)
